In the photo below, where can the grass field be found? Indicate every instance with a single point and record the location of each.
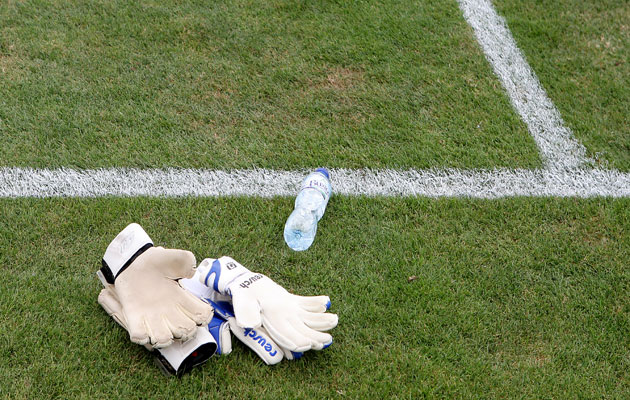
(154, 84)
(580, 52)
(512, 298)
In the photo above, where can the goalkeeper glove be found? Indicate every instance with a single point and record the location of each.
(224, 321)
(175, 359)
(154, 307)
(295, 323)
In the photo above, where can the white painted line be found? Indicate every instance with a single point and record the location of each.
(27, 182)
(490, 184)
(556, 142)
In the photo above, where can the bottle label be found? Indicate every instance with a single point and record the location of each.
(318, 182)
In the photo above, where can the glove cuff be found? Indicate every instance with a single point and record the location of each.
(123, 250)
(181, 357)
(221, 273)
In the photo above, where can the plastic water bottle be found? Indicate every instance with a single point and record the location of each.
(310, 203)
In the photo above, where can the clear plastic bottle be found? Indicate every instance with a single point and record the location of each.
(310, 203)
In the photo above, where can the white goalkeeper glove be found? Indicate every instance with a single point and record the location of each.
(153, 306)
(224, 321)
(295, 323)
(179, 357)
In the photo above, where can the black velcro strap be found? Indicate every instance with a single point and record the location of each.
(107, 272)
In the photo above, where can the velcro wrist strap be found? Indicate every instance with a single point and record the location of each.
(123, 250)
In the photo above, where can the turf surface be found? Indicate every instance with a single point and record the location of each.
(277, 84)
(511, 298)
(580, 51)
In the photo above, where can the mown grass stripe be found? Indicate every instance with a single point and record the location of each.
(488, 184)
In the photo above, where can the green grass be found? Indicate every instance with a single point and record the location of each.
(513, 298)
(279, 84)
(580, 51)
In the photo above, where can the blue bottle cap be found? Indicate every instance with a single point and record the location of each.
(323, 171)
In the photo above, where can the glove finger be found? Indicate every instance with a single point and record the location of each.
(318, 339)
(320, 321)
(138, 332)
(313, 303)
(159, 332)
(173, 263)
(322, 342)
(180, 325)
(108, 299)
(246, 311)
(197, 310)
(284, 333)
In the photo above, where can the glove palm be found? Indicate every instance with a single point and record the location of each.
(155, 308)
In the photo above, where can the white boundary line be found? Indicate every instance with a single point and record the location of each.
(490, 184)
(556, 143)
(566, 171)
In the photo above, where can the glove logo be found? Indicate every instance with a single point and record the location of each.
(216, 270)
(249, 332)
(230, 266)
(245, 284)
(125, 243)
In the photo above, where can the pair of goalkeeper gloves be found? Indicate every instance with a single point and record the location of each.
(187, 313)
